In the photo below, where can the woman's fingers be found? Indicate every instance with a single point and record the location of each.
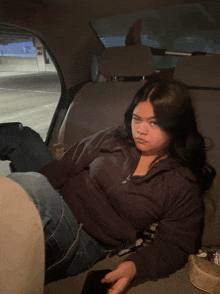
(120, 278)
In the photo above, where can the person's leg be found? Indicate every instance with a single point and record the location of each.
(31, 154)
(69, 249)
(21, 241)
(23, 147)
(9, 138)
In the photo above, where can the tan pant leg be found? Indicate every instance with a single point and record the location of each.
(21, 242)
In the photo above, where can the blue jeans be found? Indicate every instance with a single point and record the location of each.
(69, 250)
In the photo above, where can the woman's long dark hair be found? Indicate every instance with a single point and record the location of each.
(175, 115)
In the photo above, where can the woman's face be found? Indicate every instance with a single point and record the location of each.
(149, 138)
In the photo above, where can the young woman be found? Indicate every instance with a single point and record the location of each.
(118, 182)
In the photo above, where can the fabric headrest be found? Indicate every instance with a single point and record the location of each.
(136, 60)
(199, 71)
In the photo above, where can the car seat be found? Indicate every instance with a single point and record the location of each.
(206, 99)
(102, 103)
(202, 75)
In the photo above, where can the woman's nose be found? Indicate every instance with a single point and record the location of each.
(142, 129)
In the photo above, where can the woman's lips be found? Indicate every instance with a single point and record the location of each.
(142, 141)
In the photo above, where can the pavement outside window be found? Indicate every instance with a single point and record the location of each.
(29, 98)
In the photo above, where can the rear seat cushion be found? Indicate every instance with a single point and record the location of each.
(177, 283)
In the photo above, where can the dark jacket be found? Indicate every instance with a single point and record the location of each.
(92, 175)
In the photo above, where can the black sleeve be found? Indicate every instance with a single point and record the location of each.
(75, 159)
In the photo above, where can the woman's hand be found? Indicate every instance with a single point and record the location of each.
(121, 277)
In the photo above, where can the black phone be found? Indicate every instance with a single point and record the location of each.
(93, 283)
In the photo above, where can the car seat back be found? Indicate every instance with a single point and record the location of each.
(102, 103)
(202, 75)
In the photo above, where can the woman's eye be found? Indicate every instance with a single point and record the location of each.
(135, 119)
(153, 122)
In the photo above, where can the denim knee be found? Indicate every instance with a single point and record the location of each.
(45, 198)
(69, 249)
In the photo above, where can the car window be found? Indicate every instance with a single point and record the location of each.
(181, 28)
(29, 85)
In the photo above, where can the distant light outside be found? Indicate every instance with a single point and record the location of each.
(24, 49)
